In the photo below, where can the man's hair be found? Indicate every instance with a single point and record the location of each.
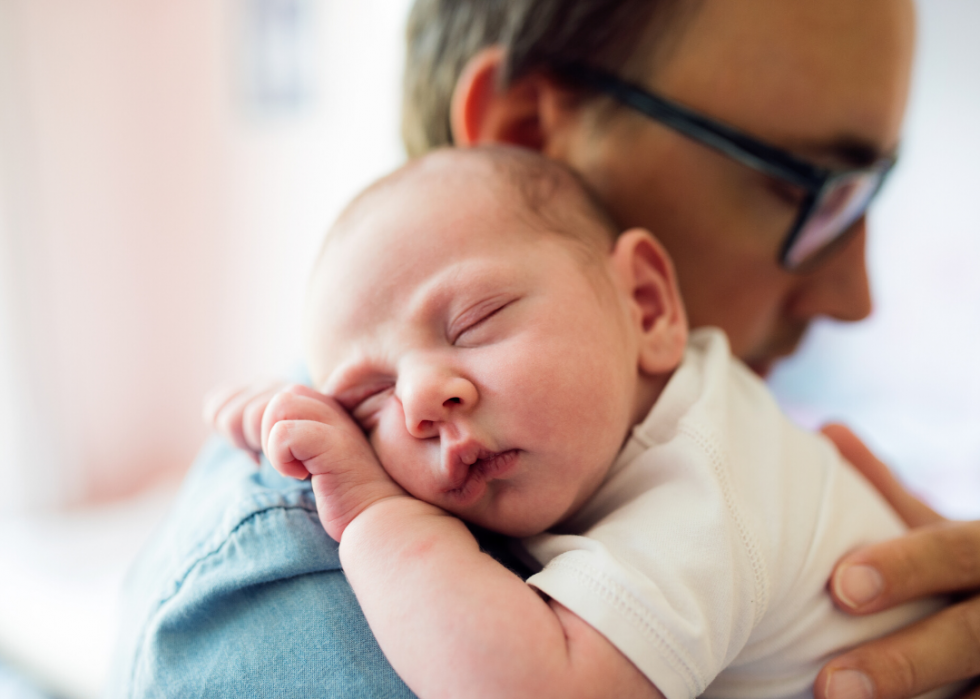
(537, 35)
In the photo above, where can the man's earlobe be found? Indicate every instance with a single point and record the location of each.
(656, 306)
(483, 112)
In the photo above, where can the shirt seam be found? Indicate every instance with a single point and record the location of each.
(717, 461)
(624, 602)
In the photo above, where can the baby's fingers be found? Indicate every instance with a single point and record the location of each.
(252, 414)
(298, 402)
(233, 411)
(301, 403)
(220, 406)
(290, 443)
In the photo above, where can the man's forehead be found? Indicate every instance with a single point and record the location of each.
(814, 76)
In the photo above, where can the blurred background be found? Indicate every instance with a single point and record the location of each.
(166, 172)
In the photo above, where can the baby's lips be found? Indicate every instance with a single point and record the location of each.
(455, 464)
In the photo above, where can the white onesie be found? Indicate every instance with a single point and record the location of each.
(705, 554)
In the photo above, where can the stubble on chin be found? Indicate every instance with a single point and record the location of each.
(783, 343)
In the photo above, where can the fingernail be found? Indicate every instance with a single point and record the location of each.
(857, 585)
(849, 684)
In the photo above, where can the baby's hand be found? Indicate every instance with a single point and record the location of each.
(308, 433)
(236, 413)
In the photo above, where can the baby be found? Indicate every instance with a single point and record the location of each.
(488, 347)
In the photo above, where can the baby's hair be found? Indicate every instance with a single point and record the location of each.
(551, 197)
(538, 180)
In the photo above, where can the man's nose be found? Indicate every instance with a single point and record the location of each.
(839, 287)
(432, 396)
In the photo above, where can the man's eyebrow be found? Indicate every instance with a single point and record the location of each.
(848, 151)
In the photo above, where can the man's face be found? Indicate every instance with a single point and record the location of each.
(826, 80)
(494, 375)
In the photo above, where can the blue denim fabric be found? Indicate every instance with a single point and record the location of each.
(241, 594)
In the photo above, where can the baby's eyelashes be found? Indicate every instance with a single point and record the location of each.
(474, 330)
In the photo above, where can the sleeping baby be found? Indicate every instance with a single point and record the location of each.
(487, 347)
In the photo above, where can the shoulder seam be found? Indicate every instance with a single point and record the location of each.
(626, 604)
(718, 463)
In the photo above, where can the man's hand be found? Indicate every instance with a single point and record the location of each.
(937, 557)
(305, 433)
(236, 413)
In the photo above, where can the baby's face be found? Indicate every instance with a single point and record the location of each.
(492, 367)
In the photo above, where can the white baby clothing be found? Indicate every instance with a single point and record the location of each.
(705, 554)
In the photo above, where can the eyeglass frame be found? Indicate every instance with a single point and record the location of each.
(748, 150)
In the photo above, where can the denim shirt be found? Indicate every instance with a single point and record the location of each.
(241, 593)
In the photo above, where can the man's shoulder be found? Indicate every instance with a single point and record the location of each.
(236, 522)
(234, 587)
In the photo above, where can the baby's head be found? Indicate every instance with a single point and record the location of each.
(480, 318)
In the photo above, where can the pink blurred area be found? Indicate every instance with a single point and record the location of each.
(156, 220)
(129, 219)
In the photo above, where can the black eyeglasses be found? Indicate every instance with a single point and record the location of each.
(834, 199)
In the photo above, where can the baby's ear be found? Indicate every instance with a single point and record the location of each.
(647, 273)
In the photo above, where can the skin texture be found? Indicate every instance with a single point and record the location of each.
(440, 325)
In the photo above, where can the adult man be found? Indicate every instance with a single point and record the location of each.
(249, 597)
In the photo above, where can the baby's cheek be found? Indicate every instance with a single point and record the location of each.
(401, 455)
(385, 439)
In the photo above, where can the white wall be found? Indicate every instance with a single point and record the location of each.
(28, 450)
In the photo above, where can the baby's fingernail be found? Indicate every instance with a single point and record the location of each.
(849, 684)
(856, 585)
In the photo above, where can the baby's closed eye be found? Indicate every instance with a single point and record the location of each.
(476, 325)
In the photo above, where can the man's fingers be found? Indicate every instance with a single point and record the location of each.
(938, 650)
(938, 559)
(909, 508)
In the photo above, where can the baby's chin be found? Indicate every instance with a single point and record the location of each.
(496, 519)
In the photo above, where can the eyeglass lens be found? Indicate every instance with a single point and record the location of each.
(841, 203)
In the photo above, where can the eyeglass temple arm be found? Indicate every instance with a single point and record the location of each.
(721, 137)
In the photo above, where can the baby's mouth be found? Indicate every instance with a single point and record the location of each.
(467, 480)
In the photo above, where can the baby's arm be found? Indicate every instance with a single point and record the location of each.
(452, 620)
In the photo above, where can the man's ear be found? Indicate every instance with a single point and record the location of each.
(521, 114)
(656, 309)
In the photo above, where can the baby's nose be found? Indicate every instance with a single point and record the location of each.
(432, 397)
